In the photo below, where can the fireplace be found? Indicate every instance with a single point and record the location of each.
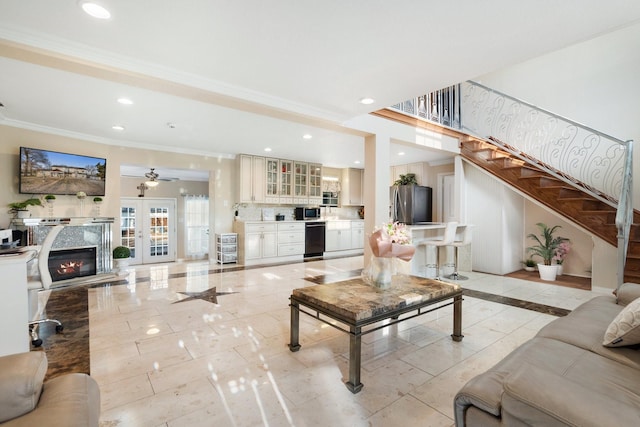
(69, 263)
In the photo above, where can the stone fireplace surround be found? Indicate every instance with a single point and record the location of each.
(77, 233)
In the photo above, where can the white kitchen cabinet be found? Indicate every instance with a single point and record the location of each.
(301, 183)
(357, 235)
(258, 240)
(315, 184)
(290, 238)
(352, 187)
(251, 179)
(272, 176)
(286, 181)
(338, 236)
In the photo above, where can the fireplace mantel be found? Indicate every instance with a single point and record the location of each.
(78, 232)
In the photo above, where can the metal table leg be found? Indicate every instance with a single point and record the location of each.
(457, 318)
(354, 384)
(294, 344)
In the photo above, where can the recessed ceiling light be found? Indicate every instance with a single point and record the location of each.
(95, 10)
(117, 127)
(357, 162)
(401, 153)
(307, 136)
(367, 101)
(125, 101)
(267, 149)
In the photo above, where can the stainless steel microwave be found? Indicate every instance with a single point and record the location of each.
(303, 213)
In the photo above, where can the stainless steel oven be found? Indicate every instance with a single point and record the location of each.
(314, 238)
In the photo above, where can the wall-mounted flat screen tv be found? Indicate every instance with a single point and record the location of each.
(52, 172)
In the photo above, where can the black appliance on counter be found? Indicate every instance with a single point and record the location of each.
(411, 204)
(303, 213)
(314, 238)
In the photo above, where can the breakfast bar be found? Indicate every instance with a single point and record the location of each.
(358, 305)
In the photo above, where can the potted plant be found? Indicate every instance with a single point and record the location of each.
(408, 179)
(49, 198)
(529, 264)
(97, 200)
(546, 247)
(121, 255)
(20, 209)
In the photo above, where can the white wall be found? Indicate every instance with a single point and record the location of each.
(221, 187)
(594, 83)
(497, 214)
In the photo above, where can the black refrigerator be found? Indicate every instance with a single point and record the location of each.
(411, 204)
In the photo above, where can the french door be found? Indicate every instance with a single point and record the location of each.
(148, 228)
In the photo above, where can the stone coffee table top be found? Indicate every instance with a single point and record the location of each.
(355, 300)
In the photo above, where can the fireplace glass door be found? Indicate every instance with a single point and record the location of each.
(148, 228)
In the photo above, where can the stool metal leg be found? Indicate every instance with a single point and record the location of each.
(455, 275)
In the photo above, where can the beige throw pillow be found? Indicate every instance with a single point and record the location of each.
(625, 328)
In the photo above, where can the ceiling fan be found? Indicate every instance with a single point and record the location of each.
(152, 178)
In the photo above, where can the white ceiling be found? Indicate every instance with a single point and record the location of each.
(239, 76)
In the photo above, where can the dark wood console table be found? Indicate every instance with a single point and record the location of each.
(356, 304)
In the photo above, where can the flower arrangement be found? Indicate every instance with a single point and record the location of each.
(397, 231)
(562, 251)
(392, 240)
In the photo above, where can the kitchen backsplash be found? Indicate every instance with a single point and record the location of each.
(248, 212)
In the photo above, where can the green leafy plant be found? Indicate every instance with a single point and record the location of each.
(20, 206)
(121, 252)
(49, 197)
(407, 179)
(97, 199)
(547, 243)
(529, 263)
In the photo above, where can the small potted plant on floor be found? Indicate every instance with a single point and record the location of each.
(529, 265)
(121, 255)
(546, 247)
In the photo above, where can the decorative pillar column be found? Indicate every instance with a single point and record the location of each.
(376, 185)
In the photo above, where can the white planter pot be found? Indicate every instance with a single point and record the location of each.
(120, 266)
(23, 214)
(548, 272)
(530, 269)
(559, 273)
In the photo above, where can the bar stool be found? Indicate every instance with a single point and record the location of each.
(447, 239)
(466, 240)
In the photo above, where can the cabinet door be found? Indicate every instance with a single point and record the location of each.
(357, 238)
(352, 187)
(253, 245)
(331, 240)
(259, 179)
(344, 239)
(315, 184)
(272, 178)
(269, 245)
(286, 181)
(301, 183)
(252, 179)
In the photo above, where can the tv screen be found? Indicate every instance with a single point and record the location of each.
(51, 172)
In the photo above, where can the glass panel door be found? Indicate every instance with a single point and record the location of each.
(148, 228)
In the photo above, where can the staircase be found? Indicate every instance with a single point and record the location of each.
(567, 199)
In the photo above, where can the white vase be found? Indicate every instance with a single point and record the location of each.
(548, 272)
(121, 265)
(559, 273)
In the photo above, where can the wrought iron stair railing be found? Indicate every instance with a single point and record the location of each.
(585, 158)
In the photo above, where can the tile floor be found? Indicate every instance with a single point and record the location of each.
(162, 363)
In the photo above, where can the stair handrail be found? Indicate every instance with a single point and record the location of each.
(624, 214)
(575, 150)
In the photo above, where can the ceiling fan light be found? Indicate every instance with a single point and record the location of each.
(151, 183)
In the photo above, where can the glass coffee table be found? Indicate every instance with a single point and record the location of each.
(359, 306)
